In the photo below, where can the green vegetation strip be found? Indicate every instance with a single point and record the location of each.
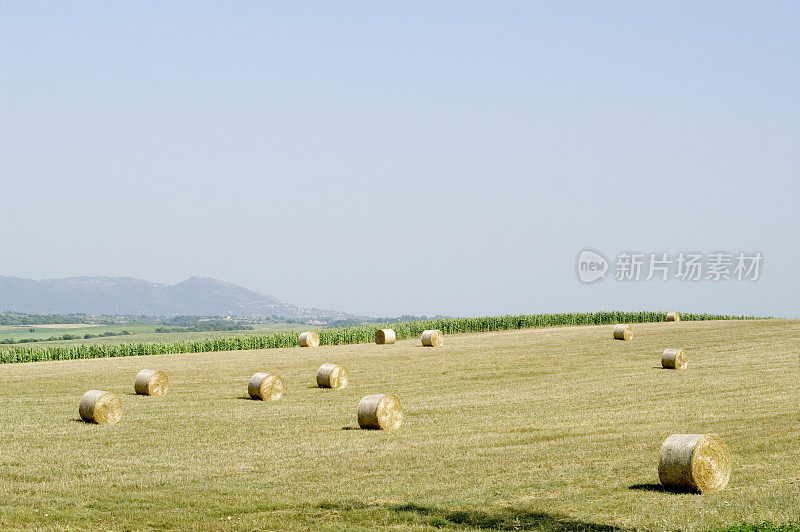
(339, 336)
(764, 527)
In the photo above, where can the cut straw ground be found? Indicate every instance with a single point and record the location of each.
(532, 421)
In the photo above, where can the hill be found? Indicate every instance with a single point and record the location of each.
(198, 296)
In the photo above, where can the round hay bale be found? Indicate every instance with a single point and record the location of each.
(309, 339)
(332, 376)
(673, 316)
(151, 382)
(623, 332)
(101, 407)
(694, 462)
(432, 338)
(385, 336)
(381, 411)
(265, 386)
(673, 359)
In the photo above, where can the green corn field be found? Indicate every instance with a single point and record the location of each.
(340, 336)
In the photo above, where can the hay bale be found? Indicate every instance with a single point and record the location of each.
(432, 338)
(265, 386)
(101, 407)
(151, 382)
(309, 339)
(673, 316)
(673, 359)
(623, 332)
(385, 336)
(381, 411)
(694, 462)
(332, 376)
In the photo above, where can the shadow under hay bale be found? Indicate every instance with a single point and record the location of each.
(648, 487)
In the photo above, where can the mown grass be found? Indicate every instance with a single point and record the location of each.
(334, 336)
(541, 429)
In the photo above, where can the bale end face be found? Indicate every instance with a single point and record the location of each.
(332, 376)
(380, 412)
(673, 316)
(432, 338)
(265, 386)
(673, 359)
(623, 332)
(151, 382)
(385, 336)
(694, 462)
(101, 407)
(309, 339)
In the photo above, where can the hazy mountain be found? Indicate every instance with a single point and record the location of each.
(197, 296)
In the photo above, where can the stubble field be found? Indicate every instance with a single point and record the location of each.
(555, 429)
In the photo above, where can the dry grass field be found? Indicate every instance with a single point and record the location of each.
(555, 429)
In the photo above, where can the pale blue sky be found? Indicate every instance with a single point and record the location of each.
(388, 158)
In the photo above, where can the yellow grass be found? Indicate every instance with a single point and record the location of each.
(543, 428)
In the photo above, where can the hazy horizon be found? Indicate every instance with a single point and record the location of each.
(388, 159)
(291, 302)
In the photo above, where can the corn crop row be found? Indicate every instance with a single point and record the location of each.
(343, 335)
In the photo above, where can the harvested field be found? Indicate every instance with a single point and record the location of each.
(527, 429)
